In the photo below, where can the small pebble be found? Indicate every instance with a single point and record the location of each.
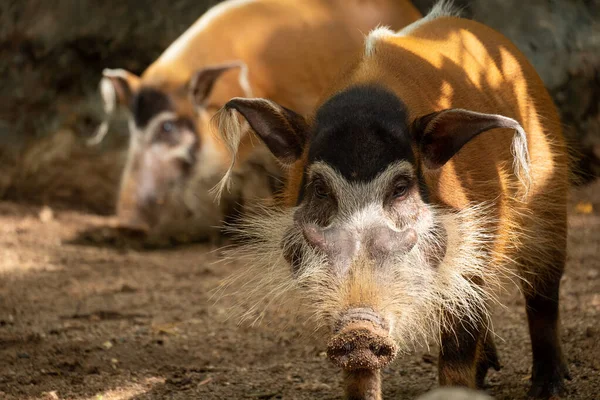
(51, 395)
(46, 214)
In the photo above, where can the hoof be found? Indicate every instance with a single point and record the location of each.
(550, 386)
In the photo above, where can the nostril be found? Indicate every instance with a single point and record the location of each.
(149, 201)
(380, 350)
(341, 350)
(349, 347)
(375, 349)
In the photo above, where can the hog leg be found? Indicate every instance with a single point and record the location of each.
(363, 384)
(467, 352)
(489, 359)
(549, 368)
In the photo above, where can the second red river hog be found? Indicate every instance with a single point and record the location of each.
(285, 50)
(432, 174)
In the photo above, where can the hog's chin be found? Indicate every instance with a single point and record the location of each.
(186, 215)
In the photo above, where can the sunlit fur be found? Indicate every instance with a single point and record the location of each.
(446, 8)
(443, 8)
(416, 298)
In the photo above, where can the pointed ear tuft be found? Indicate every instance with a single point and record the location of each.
(116, 89)
(283, 131)
(440, 135)
(203, 81)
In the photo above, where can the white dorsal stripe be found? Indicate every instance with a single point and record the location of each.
(443, 8)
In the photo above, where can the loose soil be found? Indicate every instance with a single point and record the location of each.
(89, 319)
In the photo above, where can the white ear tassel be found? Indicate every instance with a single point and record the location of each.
(520, 152)
(230, 130)
(109, 96)
(522, 161)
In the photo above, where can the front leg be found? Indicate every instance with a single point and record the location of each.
(467, 352)
(362, 384)
(549, 366)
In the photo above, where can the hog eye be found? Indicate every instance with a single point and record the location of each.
(167, 127)
(320, 189)
(400, 189)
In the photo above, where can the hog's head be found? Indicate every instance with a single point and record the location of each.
(174, 159)
(376, 260)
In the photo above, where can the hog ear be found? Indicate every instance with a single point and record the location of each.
(442, 134)
(283, 131)
(116, 89)
(203, 81)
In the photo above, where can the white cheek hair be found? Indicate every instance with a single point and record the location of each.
(418, 298)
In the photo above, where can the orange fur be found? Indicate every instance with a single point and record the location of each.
(458, 63)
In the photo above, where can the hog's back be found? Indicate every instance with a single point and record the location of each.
(292, 48)
(457, 63)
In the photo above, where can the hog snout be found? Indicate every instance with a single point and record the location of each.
(363, 342)
(140, 201)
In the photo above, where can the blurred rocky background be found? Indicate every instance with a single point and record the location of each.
(52, 54)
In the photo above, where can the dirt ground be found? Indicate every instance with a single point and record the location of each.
(83, 321)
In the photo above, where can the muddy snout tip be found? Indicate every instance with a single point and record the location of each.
(361, 345)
